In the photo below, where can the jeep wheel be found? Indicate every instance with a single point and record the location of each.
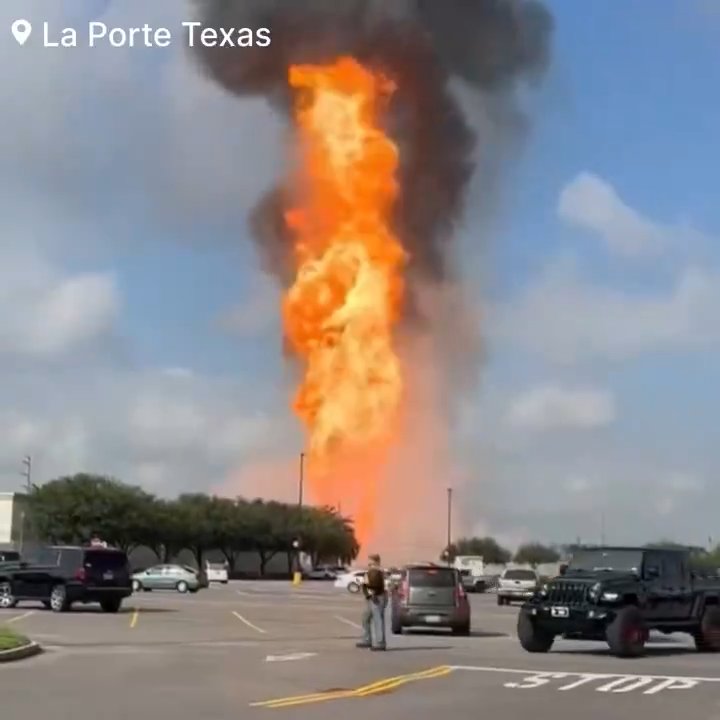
(58, 599)
(111, 605)
(707, 638)
(531, 637)
(626, 635)
(7, 599)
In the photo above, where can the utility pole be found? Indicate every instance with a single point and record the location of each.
(449, 523)
(302, 479)
(27, 472)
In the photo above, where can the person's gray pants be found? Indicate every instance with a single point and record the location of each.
(373, 621)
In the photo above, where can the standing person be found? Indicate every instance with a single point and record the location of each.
(376, 600)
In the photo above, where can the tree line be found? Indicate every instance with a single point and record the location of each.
(73, 509)
(536, 553)
(493, 553)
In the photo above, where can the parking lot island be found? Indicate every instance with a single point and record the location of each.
(14, 646)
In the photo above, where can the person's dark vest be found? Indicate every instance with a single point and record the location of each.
(375, 582)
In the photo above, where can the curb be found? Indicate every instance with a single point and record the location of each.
(20, 653)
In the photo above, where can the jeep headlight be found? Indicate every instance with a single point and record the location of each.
(543, 591)
(610, 596)
(595, 592)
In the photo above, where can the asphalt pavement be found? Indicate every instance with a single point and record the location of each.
(252, 649)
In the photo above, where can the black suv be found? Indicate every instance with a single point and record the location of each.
(618, 595)
(62, 575)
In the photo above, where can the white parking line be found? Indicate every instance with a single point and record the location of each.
(352, 624)
(249, 624)
(17, 618)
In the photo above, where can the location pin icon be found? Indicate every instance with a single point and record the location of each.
(21, 30)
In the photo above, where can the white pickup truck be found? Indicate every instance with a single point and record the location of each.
(516, 584)
(472, 572)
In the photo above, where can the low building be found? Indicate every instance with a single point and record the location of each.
(12, 520)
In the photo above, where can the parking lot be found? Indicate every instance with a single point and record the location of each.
(249, 649)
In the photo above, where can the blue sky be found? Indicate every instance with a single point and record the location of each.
(126, 187)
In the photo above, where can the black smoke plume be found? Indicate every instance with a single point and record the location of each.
(491, 45)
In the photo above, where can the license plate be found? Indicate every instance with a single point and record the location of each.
(433, 618)
(108, 576)
(560, 612)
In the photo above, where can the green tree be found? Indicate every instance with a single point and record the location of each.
(233, 530)
(536, 554)
(328, 537)
(190, 525)
(71, 509)
(666, 545)
(274, 525)
(487, 547)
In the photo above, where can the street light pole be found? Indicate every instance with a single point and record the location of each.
(302, 479)
(27, 472)
(449, 523)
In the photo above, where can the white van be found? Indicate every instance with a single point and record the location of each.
(216, 572)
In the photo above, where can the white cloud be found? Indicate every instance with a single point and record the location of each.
(552, 407)
(168, 432)
(591, 203)
(46, 313)
(148, 122)
(259, 310)
(566, 319)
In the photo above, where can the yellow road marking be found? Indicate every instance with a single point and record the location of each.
(134, 618)
(364, 691)
(391, 685)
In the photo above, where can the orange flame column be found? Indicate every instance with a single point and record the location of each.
(340, 312)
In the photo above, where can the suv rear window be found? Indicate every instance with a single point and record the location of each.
(106, 559)
(432, 577)
(519, 575)
(9, 556)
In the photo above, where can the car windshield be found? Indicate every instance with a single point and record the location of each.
(519, 575)
(606, 560)
(431, 577)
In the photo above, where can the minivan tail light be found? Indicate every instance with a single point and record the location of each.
(404, 591)
(459, 594)
(81, 575)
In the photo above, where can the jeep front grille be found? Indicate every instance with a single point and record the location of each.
(567, 593)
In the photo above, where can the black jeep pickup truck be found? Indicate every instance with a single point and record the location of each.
(59, 576)
(618, 595)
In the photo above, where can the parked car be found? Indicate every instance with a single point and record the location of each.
(516, 585)
(60, 576)
(430, 596)
(216, 572)
(351, 581)
(167, 577)
(324, 572)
